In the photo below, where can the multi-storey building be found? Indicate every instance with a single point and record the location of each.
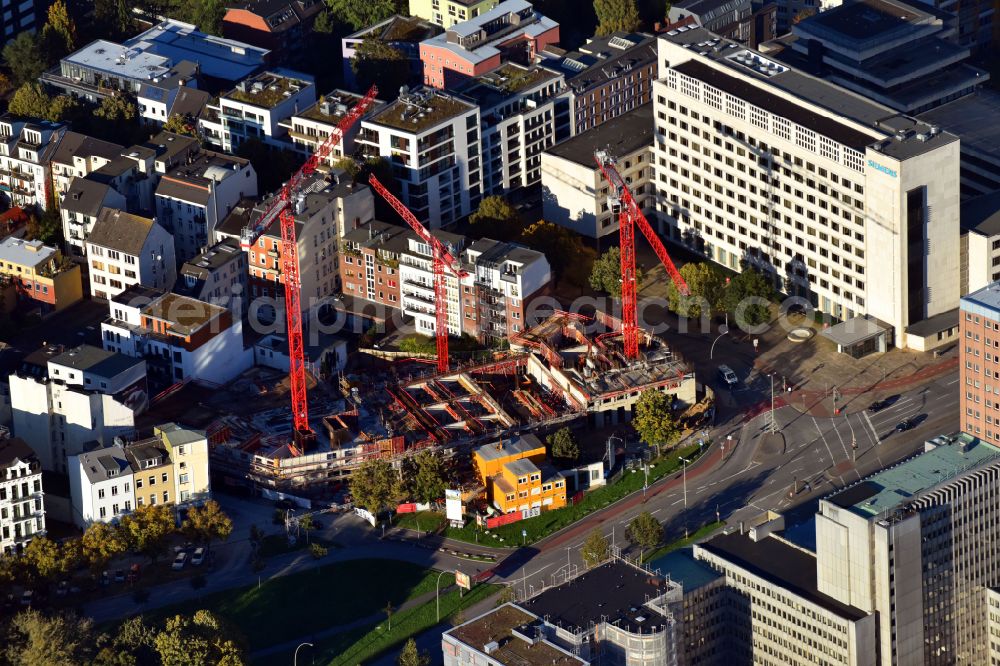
(255, 108)
(40, 274)
(79, 208)
(152, 472)
(574, 192)
(22, 500)
(188, 451)
(446, 13)
(180, 338)
(78, 155)
(979, 366)
(831, 194)
(748, 21)
(310, 127)
(64, 401)
(980, 242)
(193, 198)
(402, 33)
(218, 276)
(517, 477)
(606, 77)
(100, 486)
(125, 249)
(369, 265)
(17, 17)
(26, 150)
(517, 109)
(433, 143)
(283, 27)
(512, 30)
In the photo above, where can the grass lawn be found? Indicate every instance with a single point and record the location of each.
(697, 535)
(277, 544)
(363, 644)
(552, 521)
(298, 604)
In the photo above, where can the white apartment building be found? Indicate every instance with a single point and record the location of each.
(125, 249)
(193, 198)
(79, 208)
(433, 143)
(26, 148)
(517, 110)
(980, 242)
(915, 544)
(79, 155)
(22, 500)
(255, 108)
(574, 191)
(179, 337)
(844, 201)
(218, 276)
(63, 401)
(310, 127)
(100, 486)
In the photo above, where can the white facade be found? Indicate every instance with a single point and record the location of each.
(25, 151)
(101, 486)
(310, 127)
(79, 208)
(858, 211)
(433, 142)
(22, 500)
(114, 266)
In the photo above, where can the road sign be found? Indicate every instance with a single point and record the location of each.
(463, 580)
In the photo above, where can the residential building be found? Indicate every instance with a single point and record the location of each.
(512, 30)
(180, 338)
(17, 17)
(835, 190)
(79, 209)
(606, 77)
(217, 276)
(446, 13)
(747, 21)
(329, 205)
(26, 150)
(433, 142)
(126, 249)
(100, 486)
(188, 451)
(912, 544)
(158, 101)
(255, 108)
(194, 197)
(162, 59)
(403, 33)
(79, 155)
(979, 327)
(163, 153)
(283, 27)
(152, 472)
(309, 128)
(574, 191)
(369, 266)
(22, 499)
(64, 400)
(489, 460)
(517, 109)
(777, 612)
(40, 274)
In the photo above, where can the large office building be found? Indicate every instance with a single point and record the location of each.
(979, 367)
(841, 200)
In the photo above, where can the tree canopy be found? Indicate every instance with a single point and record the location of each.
(742, 294)
(51, 639)
(117, 107)
(374, 485)
(31, 101)
(497, 218)
(616, 15)
(178, 124)
(645, 531)
(147, 528)
(114, 15)
(61, 25)
(207, 523)
(357, 14)
(411, 656)
(652, 418)
(595, 548)
(567, 255)
(706, 284)
(606, 273)
(428, 479)
(24, 58)
(562, 444)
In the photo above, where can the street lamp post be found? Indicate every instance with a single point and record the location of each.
(437, 596)
(684, 463)
(295, 659)
(722, 331)
(645, 479)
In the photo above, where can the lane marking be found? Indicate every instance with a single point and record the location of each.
(823, 437)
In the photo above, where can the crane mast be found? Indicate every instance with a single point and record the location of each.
(442, 260)
(629, 217)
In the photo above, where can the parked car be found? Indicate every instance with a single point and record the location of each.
(876, 406)
(727, 376)
(179, 561)
(198, 558)
(904, 425)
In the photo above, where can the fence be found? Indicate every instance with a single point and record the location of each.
(505, 519)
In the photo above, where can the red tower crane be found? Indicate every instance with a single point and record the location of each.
(282, 209)
(442, 260)
(629, 217)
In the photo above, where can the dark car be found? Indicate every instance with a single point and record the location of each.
(904, 425)
(877, 406)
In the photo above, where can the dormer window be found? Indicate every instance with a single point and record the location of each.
(112, 472)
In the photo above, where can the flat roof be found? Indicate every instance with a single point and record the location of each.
(88, 358)
(212, 259)
(521, 467)
(853, 331)
(683, 568)
(185, 314)
(338, 103)
(498, 626)
(982, 214)
(942, 460)
(217, 57)
(503, 83)
(615, 591)
(974, 119)
(106, 56)
(25, 253)
(273, 84)
(987, 298)
(864, 20)
(781, 564)
(420, 110)
(486, 48)
(622, 135)
(504, 449)
(399, 28)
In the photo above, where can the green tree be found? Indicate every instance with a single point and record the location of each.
(207, 15)
(742, 298)
(616, 16)
(50, 230)
(374, 485)
(147, 529)
(706, 284)
(70, 556)
(562, 444)
(117, 107)
(411, 656)
(307, 525)
(644, 531)
(324, 23)
(58, 639)
(42, 557)
(130, 645)
(24, 57)
(606, 273)
(61, 25)
(317, 551)
(30, 101)
(357, 15)
(497, 218)
(198, 640)
(179, 124)
(567, 255)
(207, 523)
(376, 62)
(653, 420)
(114, 15)
(101, 543)
(595, 549)
(418, 344)
(428, 481)
(63, 108)
(6, 85)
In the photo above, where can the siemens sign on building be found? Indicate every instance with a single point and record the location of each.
(884, 169)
